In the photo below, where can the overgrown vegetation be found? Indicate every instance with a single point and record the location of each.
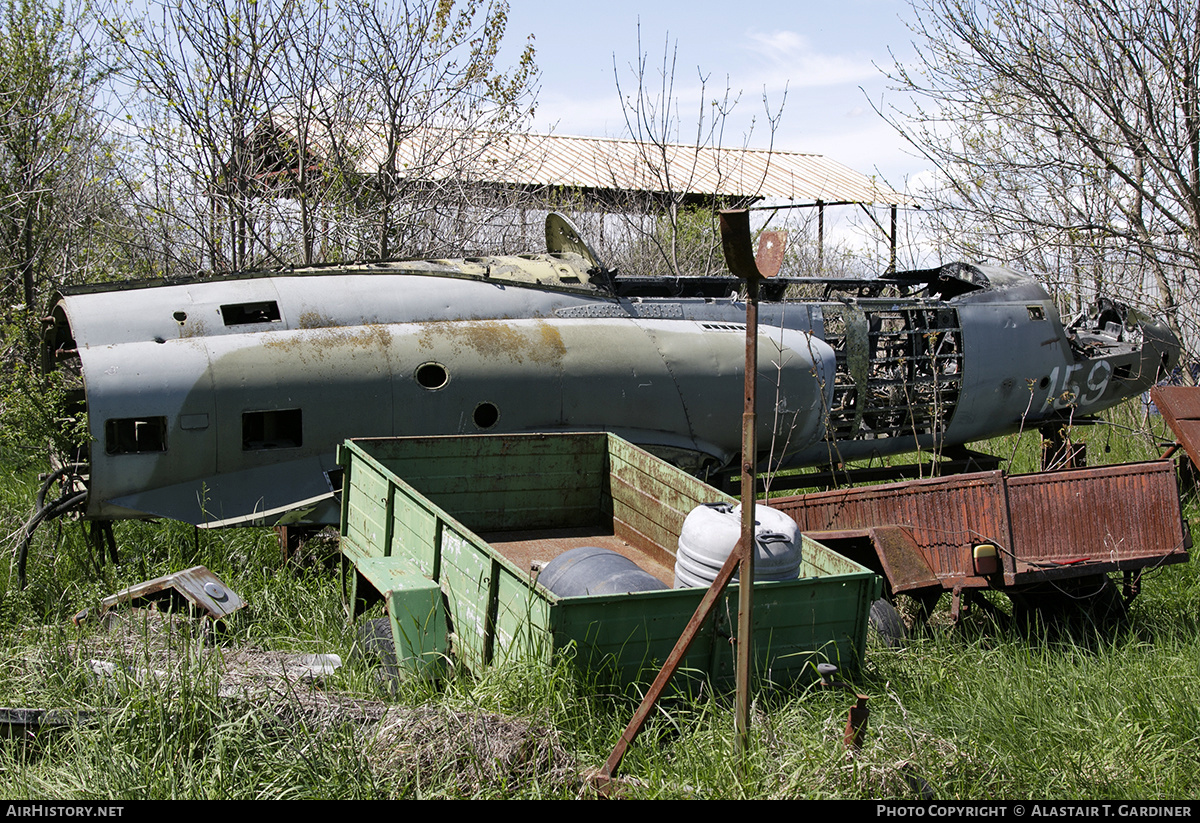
(151, 706)
(164, 708)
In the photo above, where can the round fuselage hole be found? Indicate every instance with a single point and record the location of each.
(432, 375)
(486, 415)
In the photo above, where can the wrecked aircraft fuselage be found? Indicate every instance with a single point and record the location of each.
(220, 401)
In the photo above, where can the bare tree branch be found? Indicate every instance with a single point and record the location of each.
(1065, 136)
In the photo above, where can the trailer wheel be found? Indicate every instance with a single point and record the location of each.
(376, 645)
(886, 623)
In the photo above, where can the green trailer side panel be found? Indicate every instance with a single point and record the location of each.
(365, 523)
(414, 532)
(629, 636)
(651, 497)
(466, 574)
(797, 624)
(549, 483)
(522, 620)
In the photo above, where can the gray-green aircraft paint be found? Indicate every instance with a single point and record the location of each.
(220, 401)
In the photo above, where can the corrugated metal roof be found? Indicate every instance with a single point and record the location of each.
(611, 164)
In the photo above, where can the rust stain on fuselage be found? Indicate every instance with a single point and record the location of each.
(538, 342)
(316, 320)
(192, 328)
(316, 344)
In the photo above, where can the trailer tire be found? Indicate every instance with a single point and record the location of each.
(886, 624)
(376, 645)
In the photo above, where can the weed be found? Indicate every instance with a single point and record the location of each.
(159, 709)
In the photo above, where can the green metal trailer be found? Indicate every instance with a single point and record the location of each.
(450, 532)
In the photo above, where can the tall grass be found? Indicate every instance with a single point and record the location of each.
(973, 711)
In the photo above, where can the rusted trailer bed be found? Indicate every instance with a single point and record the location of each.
(1044, 529)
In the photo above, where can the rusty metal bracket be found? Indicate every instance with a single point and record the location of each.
(956, 603)
(859, 714)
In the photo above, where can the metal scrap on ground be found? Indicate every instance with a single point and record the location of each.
(197, 587)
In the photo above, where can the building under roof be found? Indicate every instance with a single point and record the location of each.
(606, 172)
(602, 164)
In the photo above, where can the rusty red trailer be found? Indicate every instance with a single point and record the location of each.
(1023, 534)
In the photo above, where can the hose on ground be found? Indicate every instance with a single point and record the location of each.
(57, 474)
(44, 512)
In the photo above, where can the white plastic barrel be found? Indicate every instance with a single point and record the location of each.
(710, 532)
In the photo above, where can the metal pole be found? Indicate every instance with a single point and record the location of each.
(735, 239)
(745, 632)
(604, 778)
(892, 262)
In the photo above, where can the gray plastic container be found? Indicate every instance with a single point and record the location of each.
(710, 532)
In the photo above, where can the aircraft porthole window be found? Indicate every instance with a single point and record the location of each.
(180, 316)
(1045, 382)
(432, 376)
(486, 415)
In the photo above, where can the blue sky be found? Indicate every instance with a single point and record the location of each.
(827, 56)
